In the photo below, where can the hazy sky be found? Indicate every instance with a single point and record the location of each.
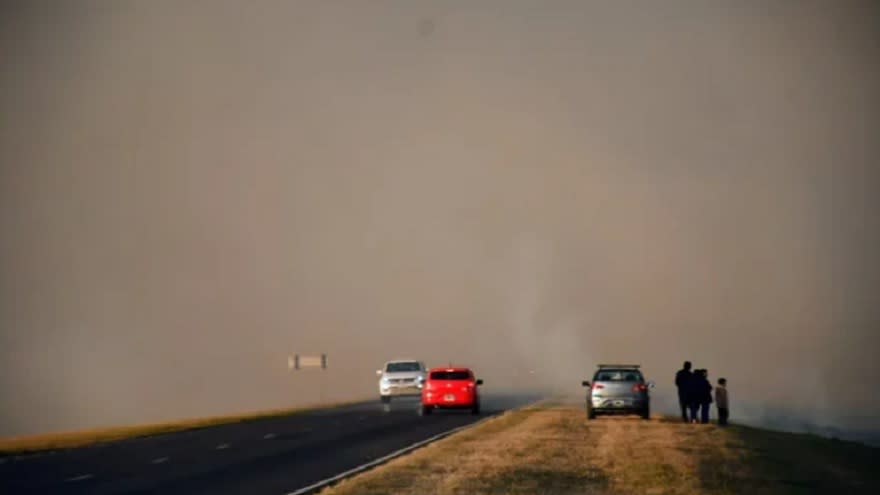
(192, 190)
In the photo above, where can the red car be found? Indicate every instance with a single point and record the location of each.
(450, 388)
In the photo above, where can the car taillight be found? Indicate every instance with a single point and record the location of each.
(639, 387)
(598, 386)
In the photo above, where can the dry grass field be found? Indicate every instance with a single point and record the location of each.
(553, 449)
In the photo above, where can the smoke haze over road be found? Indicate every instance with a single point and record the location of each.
(190, 191)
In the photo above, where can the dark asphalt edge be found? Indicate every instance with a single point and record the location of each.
(320, 485)
(17, 454)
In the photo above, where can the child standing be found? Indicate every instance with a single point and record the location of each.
(721, 401)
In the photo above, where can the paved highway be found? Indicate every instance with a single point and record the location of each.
(273, 456)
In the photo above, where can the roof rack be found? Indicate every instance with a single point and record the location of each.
(618, 366)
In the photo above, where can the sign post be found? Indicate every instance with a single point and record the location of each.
(298, 362)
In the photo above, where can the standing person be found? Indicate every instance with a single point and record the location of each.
(721, 402)
(694, 390)
(705, 396)
(683, 382)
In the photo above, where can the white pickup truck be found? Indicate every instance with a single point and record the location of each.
(401, 377)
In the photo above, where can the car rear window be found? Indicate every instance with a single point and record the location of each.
(618, 376)
(450, 375)
(395, 367)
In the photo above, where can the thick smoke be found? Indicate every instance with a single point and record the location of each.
(191, 191)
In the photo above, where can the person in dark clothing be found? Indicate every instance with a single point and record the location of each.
(721, 402)
(704, 395)
(694, 389)
(682, 382)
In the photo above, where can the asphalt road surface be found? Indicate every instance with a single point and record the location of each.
(273, 456)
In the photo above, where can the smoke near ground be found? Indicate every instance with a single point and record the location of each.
(191, 191)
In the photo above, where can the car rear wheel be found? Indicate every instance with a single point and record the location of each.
(646, 413)
(476, 409)
(425, 410)
(591, 414)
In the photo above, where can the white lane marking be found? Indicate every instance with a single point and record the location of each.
(159, 460)
(81, 477)
(268, 436)
(223, 446)
(397, 453)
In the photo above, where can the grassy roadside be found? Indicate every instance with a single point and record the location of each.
(553, 449)
(64, 440)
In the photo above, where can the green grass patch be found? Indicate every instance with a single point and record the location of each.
(770, 462)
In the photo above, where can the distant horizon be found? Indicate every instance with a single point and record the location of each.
(751, 415)
(191, 192)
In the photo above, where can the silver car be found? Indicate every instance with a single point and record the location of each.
(401, 377)
(618, 389)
